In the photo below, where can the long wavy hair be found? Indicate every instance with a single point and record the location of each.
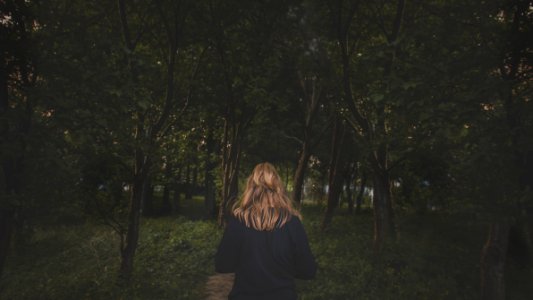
(264, 205)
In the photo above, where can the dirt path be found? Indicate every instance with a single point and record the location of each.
(218, 286)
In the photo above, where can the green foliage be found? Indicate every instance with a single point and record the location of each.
(436, 258)
(78, 262)
(452, 116)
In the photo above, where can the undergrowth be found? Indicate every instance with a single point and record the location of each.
(436, 256)
(173, 258)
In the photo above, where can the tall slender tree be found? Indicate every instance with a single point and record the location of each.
(17, 74)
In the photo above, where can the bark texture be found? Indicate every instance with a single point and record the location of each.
(335, 173)
(493, 262)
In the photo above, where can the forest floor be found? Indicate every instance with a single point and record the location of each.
(436, 257)
(218, 286)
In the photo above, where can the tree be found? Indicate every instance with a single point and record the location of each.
(508, 118)
(311, 97)
(16, 110)
(150, 121)
(242, 69)
(335, 169)
(370, 122)
(121, 112)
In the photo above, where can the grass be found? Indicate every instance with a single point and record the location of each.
(173, 258)
(425, 262)
(436, 257)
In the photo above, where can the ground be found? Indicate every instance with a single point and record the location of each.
(436, 257)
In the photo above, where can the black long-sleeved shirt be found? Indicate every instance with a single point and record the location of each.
(265, 262)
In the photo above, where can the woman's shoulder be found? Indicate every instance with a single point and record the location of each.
(233, 221)
(294, 220)
(231, 218)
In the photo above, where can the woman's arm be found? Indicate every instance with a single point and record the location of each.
(305, 265)
(228, 252)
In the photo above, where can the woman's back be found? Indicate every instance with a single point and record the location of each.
(265, 262)
(264, 242)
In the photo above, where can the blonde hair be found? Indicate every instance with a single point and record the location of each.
(264, 205)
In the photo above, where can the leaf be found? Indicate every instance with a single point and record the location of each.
(409, 84)
(143, 104)
(377, 97)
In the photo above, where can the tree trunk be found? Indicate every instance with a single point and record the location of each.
(12, 159)
(147, 197)
(350, 171)
(525, 235)
(230, 163)
(129, 239)
(210, 197)
(6, 230)
(176, 198)
(384, 228)
(176, 187)
(194, 183)
(4, 97)
(209, 181)
(129, 245)
(300, 172)
(236, 122)
(335, 178)
(166, 207)
(493, 262)
(145, 134)
(360, 194)
(6, 214)
(188, 183)
(230, 189)
(349, 194)
(311, 93)
(165, 200)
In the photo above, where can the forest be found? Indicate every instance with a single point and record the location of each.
(402, 129)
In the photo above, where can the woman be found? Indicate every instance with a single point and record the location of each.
(264, 242)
